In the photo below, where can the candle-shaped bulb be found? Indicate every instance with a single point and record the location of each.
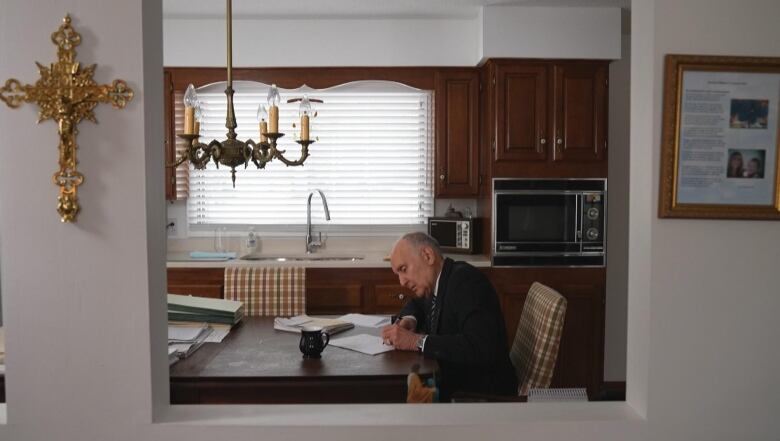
(273, 96)
(190, 97)
(273, 109)
(304, 111)
(199, 112)
(262, 118)
(262, 114)
(305, 107)
(190, 102)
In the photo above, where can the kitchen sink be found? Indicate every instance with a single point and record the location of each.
(305, 258)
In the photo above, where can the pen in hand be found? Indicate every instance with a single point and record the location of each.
(394, 319)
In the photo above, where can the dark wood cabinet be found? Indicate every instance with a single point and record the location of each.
(581, 353)
(580, 111)
(457, 132)
(202, 282)
(521, 113)
(342, 290)
(547, 118)
(170, 143)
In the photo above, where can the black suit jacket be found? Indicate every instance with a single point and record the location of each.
(469, 341)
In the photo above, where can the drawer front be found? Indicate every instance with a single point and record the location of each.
(198, 290)
(389, 299)
(334, 299)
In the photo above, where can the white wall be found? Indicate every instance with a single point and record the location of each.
(543, 32)
(712, 332)
(76, 296)
(497, 31)
(617, 223)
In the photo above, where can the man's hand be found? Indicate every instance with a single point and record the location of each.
(400, 337)
(407, 323)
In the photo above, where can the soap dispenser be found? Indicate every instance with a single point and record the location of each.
(251, 241)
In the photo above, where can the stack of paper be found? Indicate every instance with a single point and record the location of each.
(184, 340)
(295, 324)
(218, 330)
(202, 309)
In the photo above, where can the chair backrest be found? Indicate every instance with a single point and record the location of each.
(538, 336)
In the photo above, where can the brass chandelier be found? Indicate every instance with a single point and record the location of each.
(233, 152)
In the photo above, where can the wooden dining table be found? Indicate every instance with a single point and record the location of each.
(256, 364)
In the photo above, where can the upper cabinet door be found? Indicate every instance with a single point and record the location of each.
(580, 100)
(457, 133)
(521, 113)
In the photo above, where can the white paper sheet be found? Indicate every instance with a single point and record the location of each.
(364, 343)
(370, 321)
(183, 334)
(217, 335)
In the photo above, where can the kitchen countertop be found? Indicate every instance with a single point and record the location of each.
(369, 260)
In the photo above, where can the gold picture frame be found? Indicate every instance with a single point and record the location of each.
(720, 149)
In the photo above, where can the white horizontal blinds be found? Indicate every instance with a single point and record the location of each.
(372, 159)
(182, 171)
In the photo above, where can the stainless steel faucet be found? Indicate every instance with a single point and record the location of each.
(311, 244)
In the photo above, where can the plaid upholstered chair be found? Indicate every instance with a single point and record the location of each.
(538, 336)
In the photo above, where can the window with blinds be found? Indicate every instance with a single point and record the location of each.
(372, 158)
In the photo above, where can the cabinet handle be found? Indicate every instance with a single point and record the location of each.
(441, 176)
(401, 296)
(559, 141)
(543, 141)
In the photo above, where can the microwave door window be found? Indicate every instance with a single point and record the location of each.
(445, 233)
(536, 218)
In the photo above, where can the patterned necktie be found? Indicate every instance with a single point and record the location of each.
(432, 324)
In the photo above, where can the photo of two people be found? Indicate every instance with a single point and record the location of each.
(745, 163)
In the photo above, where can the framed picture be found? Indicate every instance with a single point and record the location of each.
(719, 151)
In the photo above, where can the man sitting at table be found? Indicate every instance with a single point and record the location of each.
(455, 318)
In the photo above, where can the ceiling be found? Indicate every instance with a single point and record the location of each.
(358, 8)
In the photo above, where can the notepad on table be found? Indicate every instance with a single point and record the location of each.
(364, 343)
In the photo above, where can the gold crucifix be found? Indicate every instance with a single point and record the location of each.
(66, 93)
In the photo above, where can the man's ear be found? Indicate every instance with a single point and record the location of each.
(428, 255)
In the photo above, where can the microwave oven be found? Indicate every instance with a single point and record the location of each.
(454, 234)
(549, 222)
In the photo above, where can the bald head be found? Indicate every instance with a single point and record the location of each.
(417, 260)
(419, 239)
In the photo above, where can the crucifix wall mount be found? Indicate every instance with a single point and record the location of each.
(66, 94)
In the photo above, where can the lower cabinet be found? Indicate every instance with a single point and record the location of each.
(342, 290)
(376, 291)
(201, 282)
(328, 290)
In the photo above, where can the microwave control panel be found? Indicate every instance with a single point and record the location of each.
(462, 235)
(593, 220)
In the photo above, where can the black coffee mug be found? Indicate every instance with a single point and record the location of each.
(313, 341)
